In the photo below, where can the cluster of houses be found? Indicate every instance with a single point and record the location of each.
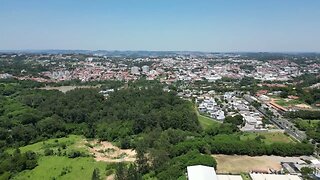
(209, 105)
(5, 76)
(252, 117)
(231, 104)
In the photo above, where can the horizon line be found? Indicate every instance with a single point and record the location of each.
(196, 51)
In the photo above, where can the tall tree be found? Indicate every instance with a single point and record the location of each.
(120, 172)
(95, 174)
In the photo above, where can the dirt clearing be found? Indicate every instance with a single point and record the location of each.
(105, 151)
(236, 164)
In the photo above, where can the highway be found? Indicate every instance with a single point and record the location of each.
(285, 124)
(280, 121)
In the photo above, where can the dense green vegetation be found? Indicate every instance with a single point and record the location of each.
(304, 114)
(162, 128)
(236, 120)
(19, 66)
(312, 128)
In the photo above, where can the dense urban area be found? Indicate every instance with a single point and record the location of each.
(131, 115)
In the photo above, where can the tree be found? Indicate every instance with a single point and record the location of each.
(284, 94)
(236, 120)
(133, 173)
(120, 171)
(141, 159)
(125, 143)
(95, 174)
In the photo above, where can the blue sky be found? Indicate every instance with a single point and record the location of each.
(198, 25)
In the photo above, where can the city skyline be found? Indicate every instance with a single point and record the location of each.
(207, 26)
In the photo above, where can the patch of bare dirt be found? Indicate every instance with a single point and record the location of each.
(107, 152)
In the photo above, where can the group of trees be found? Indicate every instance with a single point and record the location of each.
(36, 114)
(312, 129)
(304, 114)
(17, 162)
(236, 120)
(18, 65)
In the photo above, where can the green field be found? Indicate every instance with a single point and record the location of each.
(207, 122)
(270, 137)
(59, 167)
(72, 142)
(288, 102)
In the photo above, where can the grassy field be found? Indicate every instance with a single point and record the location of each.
(72, 142)
(270, 137)
(288, 102)
(57, 167)
(206, 122)
(61, 166)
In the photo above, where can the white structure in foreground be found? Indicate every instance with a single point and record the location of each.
(200, 172)
(274, 177)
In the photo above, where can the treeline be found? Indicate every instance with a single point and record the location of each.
(303, 114)
(230, 146)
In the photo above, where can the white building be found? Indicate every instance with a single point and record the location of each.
(200, 172)
(213, 78)
(135, 70)
(274, 177)
(145, 69)
(5, 76)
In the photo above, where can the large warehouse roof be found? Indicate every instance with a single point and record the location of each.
(200, 172)
(229, 177)
(273, 177)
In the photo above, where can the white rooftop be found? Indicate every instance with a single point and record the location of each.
(273, 177)
(200, 172)
(229, 177)
(315, 161)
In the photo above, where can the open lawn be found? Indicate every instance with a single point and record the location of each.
(58, 167)
(72, 142)
(288, 102)
(269, 137)
(207, 122)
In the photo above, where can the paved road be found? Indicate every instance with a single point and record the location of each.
(286, 125)
(281, 122)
